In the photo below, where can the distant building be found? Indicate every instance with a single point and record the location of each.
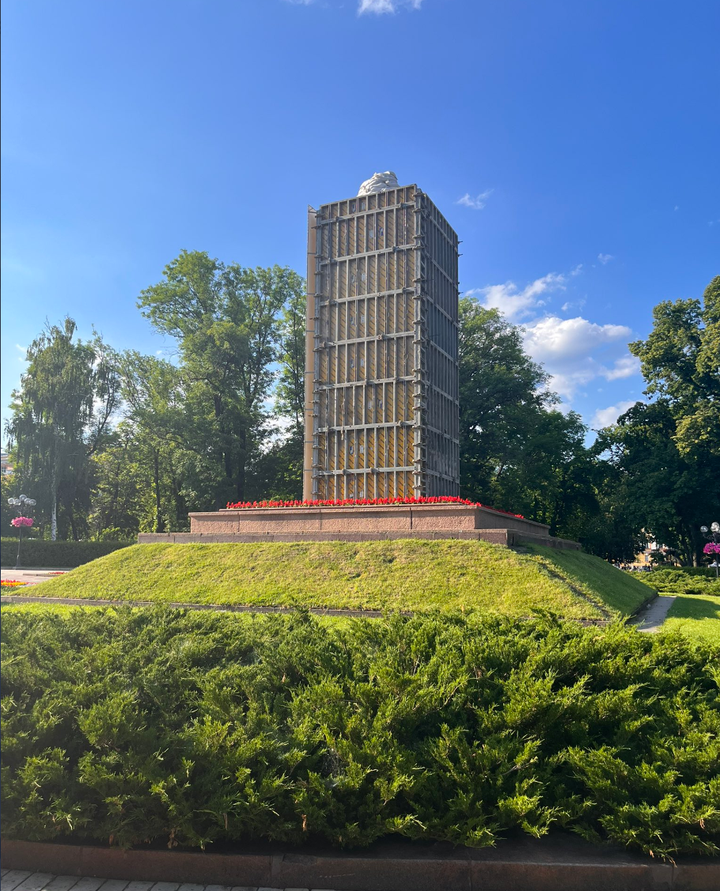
(381, 386)
(7, 467)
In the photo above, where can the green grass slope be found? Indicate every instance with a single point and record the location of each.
(389, 575)
(619, 590)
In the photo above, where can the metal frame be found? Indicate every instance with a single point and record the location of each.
(382, 379)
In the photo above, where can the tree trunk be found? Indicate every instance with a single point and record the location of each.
(53, 509)
(73, 523)
(159, 523)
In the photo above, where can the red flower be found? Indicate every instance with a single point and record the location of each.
(351, 502)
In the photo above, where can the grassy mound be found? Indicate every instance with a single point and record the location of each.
(387, 575)
(189, 728)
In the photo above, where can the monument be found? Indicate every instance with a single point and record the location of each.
(381, 382)
(381, 387)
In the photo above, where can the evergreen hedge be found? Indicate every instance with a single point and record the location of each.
(38, 553)
(683, 580)
(190, 728)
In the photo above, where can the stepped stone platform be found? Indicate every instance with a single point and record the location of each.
(362, 523)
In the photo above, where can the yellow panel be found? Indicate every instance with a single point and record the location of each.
(343, 312)
(372, 274)
(363, 275)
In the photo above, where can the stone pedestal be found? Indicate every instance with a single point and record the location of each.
(362, 523)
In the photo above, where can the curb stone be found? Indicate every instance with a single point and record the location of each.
(560, 863)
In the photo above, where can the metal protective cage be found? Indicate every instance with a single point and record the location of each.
(381, 385)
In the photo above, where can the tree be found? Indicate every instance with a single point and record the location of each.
(517, 452)
(669, 494)
(665, 454)
(680, 361)
(281, 466)
(502, 392)
(226, 320)
(61, 415)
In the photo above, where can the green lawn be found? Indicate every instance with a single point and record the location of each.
(389, 575)
(696, 615)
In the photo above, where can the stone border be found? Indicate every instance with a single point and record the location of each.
(531, 865)
(507, 537)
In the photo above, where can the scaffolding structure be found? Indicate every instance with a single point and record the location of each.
(381, 375)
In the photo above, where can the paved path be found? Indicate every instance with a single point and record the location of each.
(31, 576)
(19, 880)
(16, 596)
(651, 618)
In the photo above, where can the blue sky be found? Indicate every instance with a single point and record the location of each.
(573, 146)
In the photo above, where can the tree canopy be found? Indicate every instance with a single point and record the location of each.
(112, 444)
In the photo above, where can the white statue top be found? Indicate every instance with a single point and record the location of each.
(379, 182)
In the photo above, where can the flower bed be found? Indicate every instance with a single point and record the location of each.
(12, 583)
(360, 502)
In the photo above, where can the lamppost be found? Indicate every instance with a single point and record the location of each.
(713, 544)
(20, 522)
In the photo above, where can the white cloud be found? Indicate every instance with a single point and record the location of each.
(604, 417)
(551, 337)
(605, 258)
(386, 6)
(477, 203)
(565, 348)
(625, 366)
(573, 351)
(576, 270)
(513, 303)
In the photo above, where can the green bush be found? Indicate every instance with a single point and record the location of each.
(685, 580)
(56, 554)
(190, 728)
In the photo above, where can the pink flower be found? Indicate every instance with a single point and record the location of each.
(711, 548)
(21, 521)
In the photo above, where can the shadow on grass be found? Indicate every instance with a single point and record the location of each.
(694, 607)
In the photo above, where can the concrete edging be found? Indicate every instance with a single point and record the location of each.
(532, 865)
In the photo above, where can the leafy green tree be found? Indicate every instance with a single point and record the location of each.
(502, 392)
(670, 494)
(680, 360)
(164, 431)
(226, 320)
(61, 416)
(665, 456)
(122, 490)
(280, 467)
(290, 388)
